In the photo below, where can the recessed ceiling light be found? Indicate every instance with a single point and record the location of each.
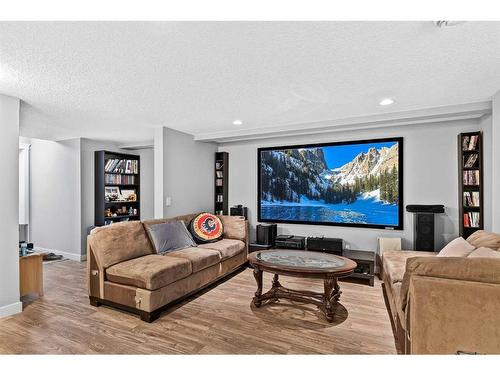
(386, 101)
(237, 122)
(447, 23)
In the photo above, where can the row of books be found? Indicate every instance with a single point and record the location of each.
(220, 198)
(470, 160)
(122, 166)
(469, 142)
(219, 212)
(119, 179)
(219, 174)
(471, 177)
(471, 198)
(471, 220)
(218, 182)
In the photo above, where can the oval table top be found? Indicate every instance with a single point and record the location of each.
(299, 262)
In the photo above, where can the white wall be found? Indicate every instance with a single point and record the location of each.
(9, 219)
(430, 177)
(188, 173)
(55, 196)
(495, 140)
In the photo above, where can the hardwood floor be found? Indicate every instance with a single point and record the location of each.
(219, 321)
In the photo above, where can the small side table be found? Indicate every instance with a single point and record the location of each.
(31, 274)
(366, 264)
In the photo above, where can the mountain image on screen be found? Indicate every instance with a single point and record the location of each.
(332, 184)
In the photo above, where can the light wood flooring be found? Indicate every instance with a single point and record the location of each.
(219, 321)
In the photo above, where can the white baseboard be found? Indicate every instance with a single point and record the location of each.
(13, 308)
(71, 256)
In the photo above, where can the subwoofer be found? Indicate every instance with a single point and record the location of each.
(424, 231)
(266, 234)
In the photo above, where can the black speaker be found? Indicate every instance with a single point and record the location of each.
(325, 244)
(266, 234)
(424, 231)
(239, 210)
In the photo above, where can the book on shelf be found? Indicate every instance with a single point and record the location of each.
(469, 143)
(218, 182)
(219, 174)
(471, 220)
(220, 198)
(471, 198)
(471, 178)
(219, 212)
(119, 179)
(125, 166)
(470, 160)
(218, 165)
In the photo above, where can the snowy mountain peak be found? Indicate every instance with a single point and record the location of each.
(373, 162)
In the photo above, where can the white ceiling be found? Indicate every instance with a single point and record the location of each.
(119, 80)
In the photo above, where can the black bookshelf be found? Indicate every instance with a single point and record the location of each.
(221, 204)
(470, 184)
(118, 171)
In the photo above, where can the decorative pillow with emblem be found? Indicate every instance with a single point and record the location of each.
(206, 228)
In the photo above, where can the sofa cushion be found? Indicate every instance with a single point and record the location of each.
(119, 242)
(150, 272)
(482, 238)
(457, 248)
(394, 263)
(484, 252)
(186, 219)
(199, 258)
(167, 237)
(226, 247)
(235, 227)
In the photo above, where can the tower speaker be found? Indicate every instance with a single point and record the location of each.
(424, 231)
(266, 234)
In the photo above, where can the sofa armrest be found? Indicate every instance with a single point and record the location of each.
(95, 274)
(485, 270)
(445, 316)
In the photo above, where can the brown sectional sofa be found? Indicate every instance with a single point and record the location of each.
(444, 305)
(125, 272)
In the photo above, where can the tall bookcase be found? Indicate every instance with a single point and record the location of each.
(116, 173)
(470, 191)
(221, 204)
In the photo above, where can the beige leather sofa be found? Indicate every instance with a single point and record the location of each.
(125, 272)
(444, 305)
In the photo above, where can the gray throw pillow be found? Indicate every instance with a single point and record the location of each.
(171, 236)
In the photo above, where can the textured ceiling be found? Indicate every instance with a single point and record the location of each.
(119, 80)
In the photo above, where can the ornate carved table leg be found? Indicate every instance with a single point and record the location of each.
(258, 277)
(336, 289)
(329, 299)
(276, 283)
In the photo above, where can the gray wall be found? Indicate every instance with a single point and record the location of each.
(9, 219)
(430, 177)
(147, 183)
(495, 139)
(188, 173)
(55, 218)
(62, 192)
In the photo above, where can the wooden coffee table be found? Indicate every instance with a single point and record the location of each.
(307, 264)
